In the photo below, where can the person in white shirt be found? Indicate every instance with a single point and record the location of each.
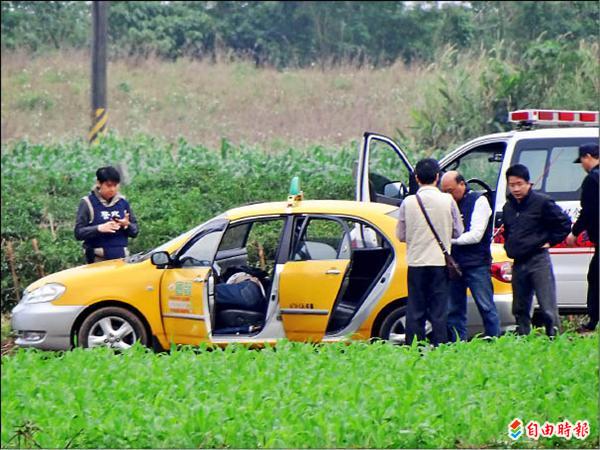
(472, 252)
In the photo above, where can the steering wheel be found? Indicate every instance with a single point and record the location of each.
(481, 183)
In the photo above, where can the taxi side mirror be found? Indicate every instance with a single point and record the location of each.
(160, 259)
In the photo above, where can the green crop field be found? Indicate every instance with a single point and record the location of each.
(300, 395)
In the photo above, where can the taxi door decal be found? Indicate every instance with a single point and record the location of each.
(182, 295)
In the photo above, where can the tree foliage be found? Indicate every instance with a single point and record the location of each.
(298, 33)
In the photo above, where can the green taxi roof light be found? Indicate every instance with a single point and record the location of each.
(295, 186)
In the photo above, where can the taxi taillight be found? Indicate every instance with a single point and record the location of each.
(502, 271)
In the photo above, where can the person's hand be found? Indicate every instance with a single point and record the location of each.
(109, 227)
(571, 240)
(123, 222)
(546, 245)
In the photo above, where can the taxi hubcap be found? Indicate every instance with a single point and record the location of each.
(113, 332)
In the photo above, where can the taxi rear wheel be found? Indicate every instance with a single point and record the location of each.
(393, 327)
(112, 327)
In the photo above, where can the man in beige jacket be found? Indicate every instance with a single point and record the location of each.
(428, 284)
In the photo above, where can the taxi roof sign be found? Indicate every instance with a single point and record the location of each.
(295, 186)
(553, 117)
(295, 195)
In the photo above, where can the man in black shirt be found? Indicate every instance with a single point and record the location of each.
(588, 221)
(533, 223)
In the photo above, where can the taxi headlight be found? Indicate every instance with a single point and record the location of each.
(46, 293)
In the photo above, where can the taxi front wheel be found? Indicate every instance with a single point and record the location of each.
(112, 327)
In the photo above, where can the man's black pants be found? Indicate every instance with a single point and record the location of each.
(428, 293)
(592, 293)
(534, 275)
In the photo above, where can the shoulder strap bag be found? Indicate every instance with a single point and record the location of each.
(454, 271)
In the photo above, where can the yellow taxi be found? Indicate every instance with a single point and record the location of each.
(319, 271)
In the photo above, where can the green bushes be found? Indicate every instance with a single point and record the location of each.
(473, 92)
(299, 395)
(172, 187)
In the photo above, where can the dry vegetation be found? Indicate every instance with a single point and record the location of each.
(47, 99)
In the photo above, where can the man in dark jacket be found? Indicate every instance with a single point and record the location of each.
(104, 219)
(533, 223)
(588, 222)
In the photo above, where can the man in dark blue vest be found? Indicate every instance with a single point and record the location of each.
(104, 219)
(472, 252)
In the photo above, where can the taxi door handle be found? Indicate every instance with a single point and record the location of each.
(332, 272)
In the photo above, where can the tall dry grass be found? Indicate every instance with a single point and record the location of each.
(46, 99)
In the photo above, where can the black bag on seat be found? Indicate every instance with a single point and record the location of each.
(245, 295)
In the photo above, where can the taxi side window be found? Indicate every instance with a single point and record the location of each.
(321, 239)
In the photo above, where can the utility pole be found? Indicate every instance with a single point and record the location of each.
(99, 32)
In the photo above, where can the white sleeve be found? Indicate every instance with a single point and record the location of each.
(479, 222)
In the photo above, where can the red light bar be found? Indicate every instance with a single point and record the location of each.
(569, 116)
(553, 117)
(517, 116)
(588, 117)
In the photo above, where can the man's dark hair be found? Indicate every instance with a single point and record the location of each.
(460, 179)
(518, 170)
(109, 173)
(426, 170)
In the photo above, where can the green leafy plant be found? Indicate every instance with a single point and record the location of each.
(294, 395)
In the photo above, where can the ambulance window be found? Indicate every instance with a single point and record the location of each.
(564, 175)
(534, 160)
(551, 167)
(482, 162)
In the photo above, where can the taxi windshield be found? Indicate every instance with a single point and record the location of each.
(184, 237)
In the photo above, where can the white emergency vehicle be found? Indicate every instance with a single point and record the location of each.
(546, 141)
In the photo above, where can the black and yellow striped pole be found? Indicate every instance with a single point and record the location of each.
(99, 31)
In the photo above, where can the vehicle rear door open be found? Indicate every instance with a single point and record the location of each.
(384, 173)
